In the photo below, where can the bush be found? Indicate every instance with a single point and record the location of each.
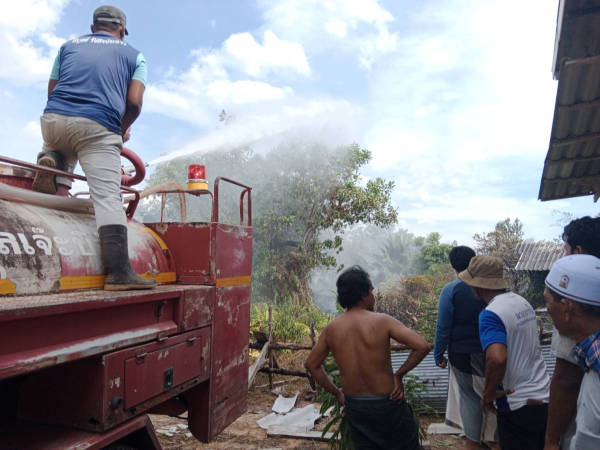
(413, 301)
(291, 320)
(394, 301)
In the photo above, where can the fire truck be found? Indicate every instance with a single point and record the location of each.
(80, 367)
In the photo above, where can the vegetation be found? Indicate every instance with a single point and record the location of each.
(414, 299)
(291, 320)
(341, 436)
(432, 252)
(501, 242)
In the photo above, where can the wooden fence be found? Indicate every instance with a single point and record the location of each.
(267, 361)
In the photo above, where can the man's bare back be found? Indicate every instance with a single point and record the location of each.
(360, 342)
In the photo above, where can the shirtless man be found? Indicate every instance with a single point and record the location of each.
(377, 414)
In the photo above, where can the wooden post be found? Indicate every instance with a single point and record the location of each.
(313, 385)
(269, 344)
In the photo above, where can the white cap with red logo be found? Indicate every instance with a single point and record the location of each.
(576, 277)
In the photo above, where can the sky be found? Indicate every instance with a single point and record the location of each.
(454, 99)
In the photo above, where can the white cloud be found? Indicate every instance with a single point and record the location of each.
(461, 113)
(257, 60)
(224, 78)
(33, 130)
(210, 83)
(244, 91)
(356, 27)
(423, 194)
(213, 23)
(27, 40)
(337, 28)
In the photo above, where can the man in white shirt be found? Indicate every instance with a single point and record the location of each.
(515, 373)
(573, 297)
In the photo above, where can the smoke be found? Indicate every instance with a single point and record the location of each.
(387, 254)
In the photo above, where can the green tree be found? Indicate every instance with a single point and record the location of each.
(312, 195)
(432, 252)
(396, 254)
(502, 242)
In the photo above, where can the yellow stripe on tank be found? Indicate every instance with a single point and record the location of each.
(97, 281)
(7, 287)
(233, 281)
(155, 236)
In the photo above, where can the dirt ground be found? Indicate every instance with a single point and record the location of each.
(245, 433)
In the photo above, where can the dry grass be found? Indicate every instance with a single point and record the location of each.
(245, 433)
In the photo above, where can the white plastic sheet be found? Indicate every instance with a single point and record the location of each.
(284, 405)
(298, 417)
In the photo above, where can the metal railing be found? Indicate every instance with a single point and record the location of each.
(15, 162)
(133, 204)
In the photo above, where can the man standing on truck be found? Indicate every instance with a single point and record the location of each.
(377, 412)
(95, 93)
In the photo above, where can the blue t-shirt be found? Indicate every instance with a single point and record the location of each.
(457, 327)
(94, 72)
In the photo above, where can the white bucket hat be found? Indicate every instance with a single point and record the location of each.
(576, 277)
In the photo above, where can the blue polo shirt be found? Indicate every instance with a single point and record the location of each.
(94, 72)
(457, 327)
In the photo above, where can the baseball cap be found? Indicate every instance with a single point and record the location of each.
(110, 14)
(576, 277)
(484, 272)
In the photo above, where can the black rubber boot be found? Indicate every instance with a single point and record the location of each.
(115, 259)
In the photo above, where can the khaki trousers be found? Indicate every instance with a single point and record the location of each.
(98, 150)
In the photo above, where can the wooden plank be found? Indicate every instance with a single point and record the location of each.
(292, 373)
(276, 362)
(297, 432)
(258, 364)
(313, 385)
(270, 349)
(294, 347)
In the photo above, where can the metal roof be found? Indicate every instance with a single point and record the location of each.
(577, 31)
(538, 256)
(437, 379)
(572, 165)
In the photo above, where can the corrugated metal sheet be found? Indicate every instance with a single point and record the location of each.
(538, 256)
(436, 379)
(572, 165)
(577, 31)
